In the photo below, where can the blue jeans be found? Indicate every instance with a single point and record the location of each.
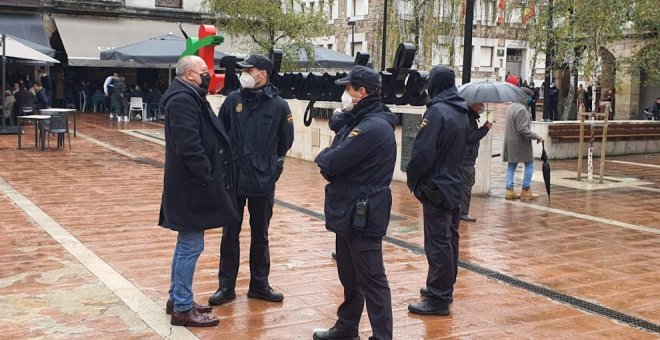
(527, 179)
(189, 245)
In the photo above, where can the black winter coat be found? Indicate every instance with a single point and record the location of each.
(437, 151)
(199, 191)
(260, 125)
(473, 135)
(359, 165)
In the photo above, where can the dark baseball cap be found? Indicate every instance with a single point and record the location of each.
(257, 61)
(361, 76)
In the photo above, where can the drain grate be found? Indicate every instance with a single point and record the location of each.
(512, 281)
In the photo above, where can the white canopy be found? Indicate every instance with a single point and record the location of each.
(15, 49)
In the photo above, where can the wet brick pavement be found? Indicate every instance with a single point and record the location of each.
(595, 248)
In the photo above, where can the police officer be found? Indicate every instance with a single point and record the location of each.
(434, 176)
(359, 166)
(260, 126)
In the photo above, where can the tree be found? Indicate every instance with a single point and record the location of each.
(290, 25)
(581, 31)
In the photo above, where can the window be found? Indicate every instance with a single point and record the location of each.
(486, 12)
(356, 7)
(169, 3)
(486, 59)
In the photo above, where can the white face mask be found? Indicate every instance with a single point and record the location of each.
(347, 101)
(247, 81)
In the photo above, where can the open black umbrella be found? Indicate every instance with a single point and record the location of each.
(546, 170)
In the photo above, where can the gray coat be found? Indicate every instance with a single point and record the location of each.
(518, 135)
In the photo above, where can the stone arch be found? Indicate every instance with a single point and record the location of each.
(607, 77)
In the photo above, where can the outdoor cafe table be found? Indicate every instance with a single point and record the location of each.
(56, 111)
(37, 120)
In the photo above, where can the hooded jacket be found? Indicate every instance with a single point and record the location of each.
(437, 151)
(199, 191)
(260, 125)
(359, 166)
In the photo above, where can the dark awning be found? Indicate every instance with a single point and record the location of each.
(28, 29)
(326, 58)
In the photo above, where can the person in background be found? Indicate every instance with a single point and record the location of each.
(518, 138)
(610, 97)
(108, 89)
(153, 102)
(580, 98)
(588, 99)
(42, 100)
(120, 94)
(473, 136)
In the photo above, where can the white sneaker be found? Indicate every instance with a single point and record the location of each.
(126, 119)
(119, 118)
(112, 116)
(138, 117)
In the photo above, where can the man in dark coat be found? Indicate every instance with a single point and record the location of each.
(434, 176)
(199, 186)
(359, 165)
(473, 136)
(260, 125)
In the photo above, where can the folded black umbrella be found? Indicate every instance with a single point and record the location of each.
(546, 170)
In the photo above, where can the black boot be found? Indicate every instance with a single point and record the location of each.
(334, 334)
(222, 296)
(425, 293)
(426, 307)
(267, 294)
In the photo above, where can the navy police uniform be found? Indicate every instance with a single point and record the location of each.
(260, 126)
(359, 166)
(434, 176)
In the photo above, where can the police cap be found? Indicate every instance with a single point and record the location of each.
(361, 76)
(257, 61)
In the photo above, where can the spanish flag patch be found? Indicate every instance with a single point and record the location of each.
(289, 118)
(354, 133)
(425, 123)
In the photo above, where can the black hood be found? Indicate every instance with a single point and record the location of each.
(179, 86)
(440, 79)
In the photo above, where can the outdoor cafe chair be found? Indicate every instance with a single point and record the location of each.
(59, 125)
(136, 104)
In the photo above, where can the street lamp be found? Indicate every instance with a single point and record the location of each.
(352, 24)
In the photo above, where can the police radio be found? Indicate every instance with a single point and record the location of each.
(360, 215)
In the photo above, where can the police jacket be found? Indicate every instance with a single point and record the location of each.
(359, 165)
(437, 151)
(473, 135)
(260, 125)
(199, 191)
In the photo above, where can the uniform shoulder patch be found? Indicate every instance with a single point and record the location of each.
(425, 123)
(289, 118)
(239, 107)
(354, 133)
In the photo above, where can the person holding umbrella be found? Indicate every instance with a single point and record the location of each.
(518, 138)
(473, 135)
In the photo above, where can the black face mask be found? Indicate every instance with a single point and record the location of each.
(206, 80)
